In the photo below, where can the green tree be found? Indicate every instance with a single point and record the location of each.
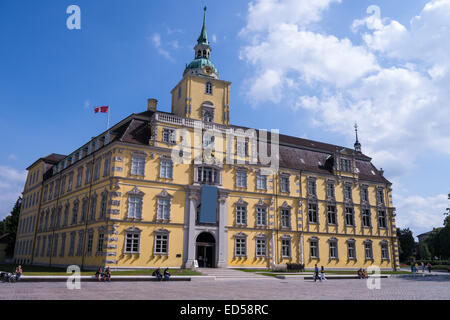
(426, 252)
(10, 225)
(406, 244)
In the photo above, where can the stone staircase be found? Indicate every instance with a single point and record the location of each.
(232, 274)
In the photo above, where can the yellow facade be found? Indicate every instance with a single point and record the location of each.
(143, 210)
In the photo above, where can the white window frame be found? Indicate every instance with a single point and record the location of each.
(137, 165)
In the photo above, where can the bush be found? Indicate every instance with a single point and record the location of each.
(295, 267)
(435, 262)
(279, 267)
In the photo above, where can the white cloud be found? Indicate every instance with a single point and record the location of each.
(265, 15)
(400, 105)
(156, 41)
(419, 213)
(11, 186)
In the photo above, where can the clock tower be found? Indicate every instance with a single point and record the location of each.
(201, 94)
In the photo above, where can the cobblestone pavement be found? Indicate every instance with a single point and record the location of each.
(435, 287)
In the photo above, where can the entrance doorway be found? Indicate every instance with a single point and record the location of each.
(206, 250)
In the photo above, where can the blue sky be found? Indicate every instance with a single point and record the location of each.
(309, 68)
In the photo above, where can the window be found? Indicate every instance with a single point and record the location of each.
(261, 247)
(70, 182)
(97, 170)
(179, 92)
(138, 165)
(163, 209)
(93, 208)
(314, 248)
(366, 217)
(241, 179)
(331, 215)
(207, 175)
(364, 193)
(75, 212)
(107, 166)
(58, 217)
(63, 245)
(55, 245)
(84, 208)
(134, 206)
(208, 114)
(79, 176)
(169, 136)
(66, 215)
(240, 246)
(384, 250)
(132, 242)
(351, 249)
(381, 219)
(209, 88)
(346, 165)
(87, 179)
(284, 183)
(63, 185)
(103, 204)
(380, 196)
(89, 243)
(333, 249)
(348, 192)
(349, 217)
(285, 218)
(311, 187)
(312, 213)
(261, 216)
(261, 182)
(166, 168)
(241, 215)
(286, 248)
(162, 243)
(101, 237)
(368, 250)
(72, 243)
(330, 190)
(50, 191)
(45, 193)
(80, 243)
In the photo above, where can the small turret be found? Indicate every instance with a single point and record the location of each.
(357, 144)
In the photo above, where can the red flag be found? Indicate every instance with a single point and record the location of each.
(101, 109)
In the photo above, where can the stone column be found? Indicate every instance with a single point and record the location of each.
(192, 198)
(222, 257)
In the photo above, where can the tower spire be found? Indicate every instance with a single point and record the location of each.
(357, 144)
(203, 39)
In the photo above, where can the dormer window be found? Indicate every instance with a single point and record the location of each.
(209, 88)
(346, 165)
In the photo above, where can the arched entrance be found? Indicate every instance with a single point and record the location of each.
(206, 250)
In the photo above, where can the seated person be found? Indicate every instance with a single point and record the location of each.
(157, 274)
(99, 274)
(18, 272)
(364, 273)
(166, 274)
(360, 273)
(107, 274)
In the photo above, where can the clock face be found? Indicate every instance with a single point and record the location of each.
(208, 70)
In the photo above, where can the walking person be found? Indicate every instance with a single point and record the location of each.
(429, 267)
(316, 272)
(423, 266)
(322, 274)
(414, 269)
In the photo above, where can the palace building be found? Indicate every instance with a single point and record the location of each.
(148, 193)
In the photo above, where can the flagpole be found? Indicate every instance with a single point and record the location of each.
(107, 125)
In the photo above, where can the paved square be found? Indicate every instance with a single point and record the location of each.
(409, 288)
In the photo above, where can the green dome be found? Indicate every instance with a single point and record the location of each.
(200, 63)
